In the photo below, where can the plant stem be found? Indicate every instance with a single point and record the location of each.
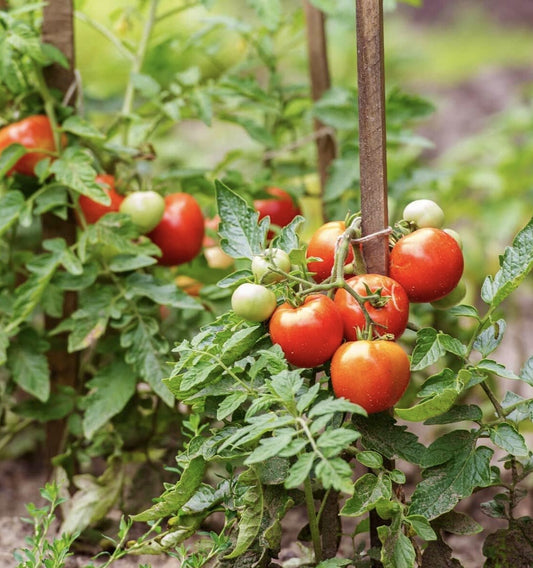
(313, 523)
(138, 60)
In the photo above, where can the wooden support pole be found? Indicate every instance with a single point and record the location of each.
(320, 83)
(372, 132)
(58, 30)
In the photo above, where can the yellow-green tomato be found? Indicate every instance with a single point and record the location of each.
(145, 208)
(453, 298)
(253, 302)
(263, 264)
(424, 213)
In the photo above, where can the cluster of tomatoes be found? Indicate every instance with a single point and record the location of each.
(352, 324)
(175, 223)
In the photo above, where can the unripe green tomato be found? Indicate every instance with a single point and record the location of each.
(253, 302)
(453, 298)
(424, 213)
(273, 258)
(456, 236)
(145, 208)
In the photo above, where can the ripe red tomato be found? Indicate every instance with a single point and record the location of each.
(180, 232)
(373, 374)
(391, 317)
(322, 245)
(281, 208)
(308, 334)
(33, 132)
(428, 263)
(93, 210)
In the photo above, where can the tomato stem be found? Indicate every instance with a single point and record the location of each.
(313, 522)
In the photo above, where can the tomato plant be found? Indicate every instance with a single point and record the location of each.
(36, 135)
(281, 208)
(322, 245)
(180, 232)
(309, 333)
(451, 299)
(92, 210)
(428, 263)
(389, 312)
(145, 208)
(372, 374)
(253, 302)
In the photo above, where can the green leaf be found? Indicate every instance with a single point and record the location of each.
(146, 285)
(344, 175)
(338, 108)
(367, 491)
(254, 129)
(4, 344)
(269, 12)
(397, 550)
(230, 404)
(95, 498)
(457, 413)
(129, 262)
(421, 526)
(511, 546)
(9, 157)
(241, 235)
(489, 339)
(333, 442)
(516, 264)
(456, 466)
(300, 470)
(509, 439)
(174, 499)
(81, 127)
(335, 473)
(270, 447)
(11, 205)
(381, 433)
(110, 390)
(490, 366)
(332, 405)
(75, 170)
(429, 407)
(288, 239)
(456, 522)
(526, 374)
(464, 310)
(251, 515)
(431, 345)
(370, 459)
(29, 365)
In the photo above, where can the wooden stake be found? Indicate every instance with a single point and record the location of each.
(372, 132)
(58, 30)
(320, 83)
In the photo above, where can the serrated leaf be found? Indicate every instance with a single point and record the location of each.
(457, 413)
(300, 470)
(429, 407)
(526, 374)
(456, 466)
(335, 473)
(490, 366)
(81, 127)
(174, 499)
(129, 262)
(421, 526)
(29, 365)
(110, 390)
(11, 205)
(367, 491)
(464, 310)
(270, 447)
(251, 516)
(230, 404)
(509, 439)
(241, 235)
(333, 405)
(254, 129)
(9, 157)
(427, 349)
(370, 459)
(397, 551)
(333, 442)
(456, 522)
(287, 239)
(381, 434)
(75, 170)
(489, 339)
(516, 264)
(146, 285)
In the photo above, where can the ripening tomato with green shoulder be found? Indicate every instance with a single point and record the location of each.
(428, 263)
(253, 302)
(389, 312)
(145, 208)
(308, 334)
(322, 245)
(34, 133)
(92, 210)
(372, 374)
(180, 232)
(281, 208)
